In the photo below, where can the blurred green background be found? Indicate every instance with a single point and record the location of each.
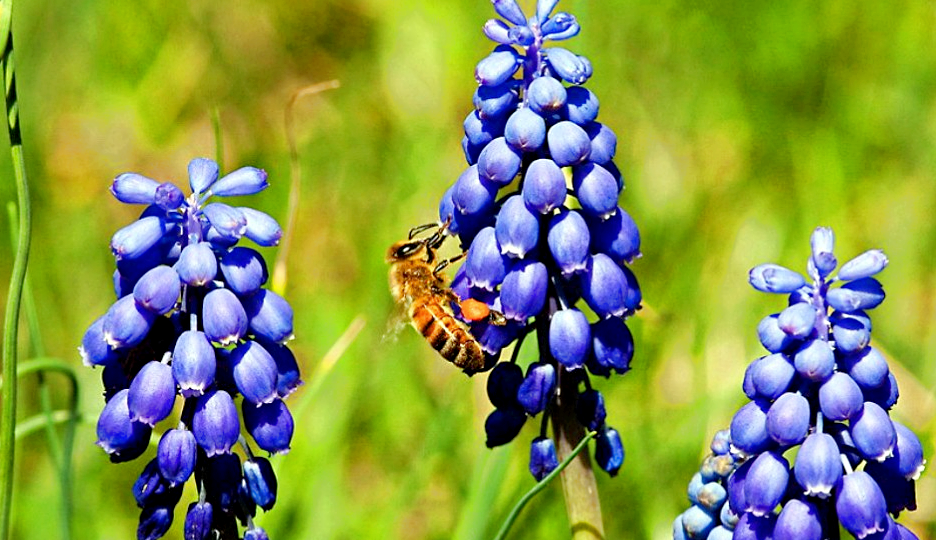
(741, 126)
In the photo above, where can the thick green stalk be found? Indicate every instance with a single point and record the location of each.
(17, 277)
(578, 479)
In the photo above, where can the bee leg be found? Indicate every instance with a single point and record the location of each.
(442, 264)
(420, 228)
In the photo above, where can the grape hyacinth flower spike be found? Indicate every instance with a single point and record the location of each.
(815, 448)
(193, 320)
(536, 210)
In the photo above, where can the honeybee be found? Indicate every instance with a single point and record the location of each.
(418, 285)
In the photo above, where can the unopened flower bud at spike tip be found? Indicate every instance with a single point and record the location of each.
(774, 278)
(133, 188)
(243, 181)
(203, 173)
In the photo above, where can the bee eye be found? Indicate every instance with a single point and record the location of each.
(406, 250)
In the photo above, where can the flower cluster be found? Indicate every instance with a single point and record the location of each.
(192, 318)
(821, 399)
(537, 210)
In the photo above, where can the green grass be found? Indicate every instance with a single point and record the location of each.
(741, 127)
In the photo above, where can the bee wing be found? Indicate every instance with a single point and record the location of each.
(396, 322)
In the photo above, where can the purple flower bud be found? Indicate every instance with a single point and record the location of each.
(873, 432)
(590, 409)
(244, 270)
(850, 336)
(772, 375)
(261, 482)
(271, 316)
(818, 467)
(116, 432)
(509, 10)
(546, 95)
(798, 520)
(197, 264)
(568, 239)
(865, 265)
(496, 30)
(503, 425)
(223, 316)
(243, 181)
(94, 350)
(176, 455)
(612, 346)
(471, 194)
(228, 222)
(215, 422)
(133, 188)
(604, 286)
(198, 521)
(751, 527)
(158, 290)
(609, 451)
(840, 397)
(865, 293)
(521, 35)
(222, 480)
(558, 26)
(471, 151)
(543, 9)
(154, 522)
(481, 131)
(544, 186)
(202, 173)
(270, 425)
(523, 292)
(168, 196)
(484, 265)
(568, 144)
(498, 66)
(860, 505)
(569, 337)
(517, 228)
(798, 320)
(603, 143)
(749, 429)
(567, 65)
(771, 336)
(193, 363)
(152, 393)
(815, 360)
(262, 229)
(582, 108)
(134, 240)
(493, 102)
(537, 388)
(773, 278)
(885, 395)
(287, 369)
(617, 236)
(712, 496)
(788, 419)
(765, 483)
(499, 163)
(596, 190)
(503, 384)
(254, 372)
(255, 533)
(899, 493)
(695, 522)
(868, 368)
(721, 443)
(525, 130)
(907, 460)
(543, 459)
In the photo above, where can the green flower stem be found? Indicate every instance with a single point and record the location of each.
(541, 485)
(578, 480)
(17, 276)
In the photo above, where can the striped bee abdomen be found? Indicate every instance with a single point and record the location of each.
(447, 335)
